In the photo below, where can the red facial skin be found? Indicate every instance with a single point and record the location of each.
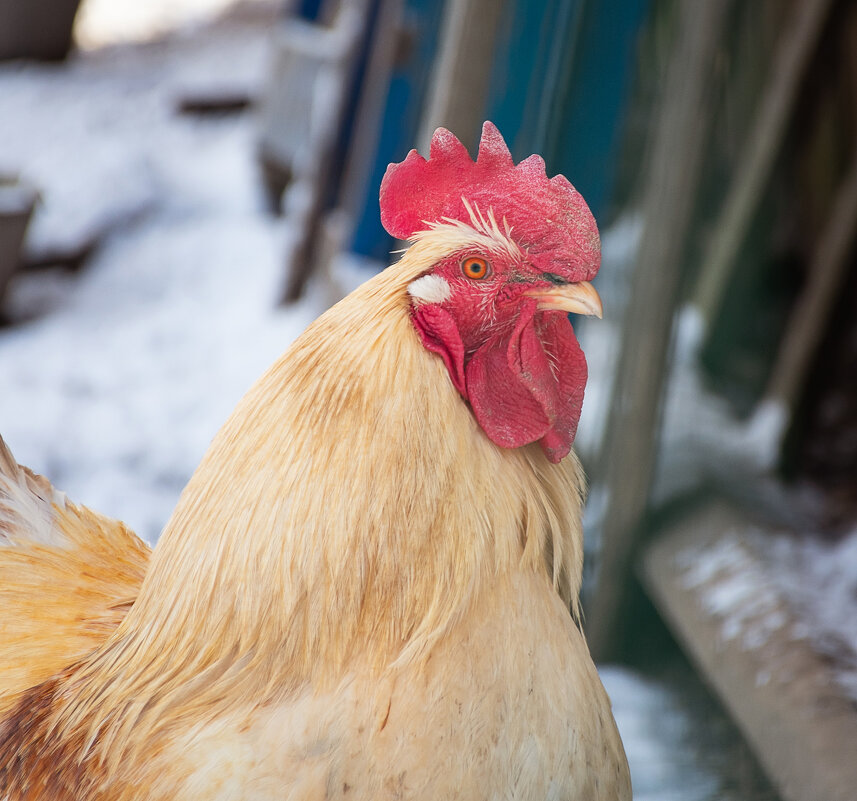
(520, 369)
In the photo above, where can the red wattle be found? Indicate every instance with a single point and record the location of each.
(524, 385)
(560, 344)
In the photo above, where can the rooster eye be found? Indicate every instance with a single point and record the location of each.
(476, 268)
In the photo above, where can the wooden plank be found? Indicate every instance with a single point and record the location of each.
(627, 464)
(757, 160)
(716, 595)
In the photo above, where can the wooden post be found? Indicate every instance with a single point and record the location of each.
(757, 160)
(326, 120)
(462, 70)
(326, 231)
(373, 95)
(628, 461)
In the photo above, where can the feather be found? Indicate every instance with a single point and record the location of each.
(67, 577)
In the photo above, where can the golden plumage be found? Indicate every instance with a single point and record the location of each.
(67, 577)
(358, 596)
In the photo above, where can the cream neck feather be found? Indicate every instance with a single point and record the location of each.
(346, 515)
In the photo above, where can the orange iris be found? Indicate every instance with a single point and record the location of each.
(475, 267)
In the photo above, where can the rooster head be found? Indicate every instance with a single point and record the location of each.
(513, 253)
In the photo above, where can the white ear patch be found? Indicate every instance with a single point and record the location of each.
(430, 289)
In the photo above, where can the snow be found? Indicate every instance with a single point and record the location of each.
(820, 580)
(757, 582)
(116, 392)
(104, 22)
(658, 738)
(601, 339)
(100, 138)
(701, 433)
(734, 588)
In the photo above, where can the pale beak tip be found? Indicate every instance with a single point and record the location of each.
(577, 298)
(588, 299)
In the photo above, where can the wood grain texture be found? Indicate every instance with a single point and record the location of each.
(782, 692)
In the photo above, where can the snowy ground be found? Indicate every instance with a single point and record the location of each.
(118, 390)
(820, 580)
(116, 378)
(660, 740)
(106, 22)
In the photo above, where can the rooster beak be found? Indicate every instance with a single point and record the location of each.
(579, 298)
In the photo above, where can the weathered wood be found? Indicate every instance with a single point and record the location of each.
(462, 70)
(313, 157)
(328, 229)
(627, 464)
(716, 593)
(16, 206)
(302, 100)
(39, 29)
(370, 110)
(754, 167)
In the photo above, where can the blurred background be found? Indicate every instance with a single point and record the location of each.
(185, 185)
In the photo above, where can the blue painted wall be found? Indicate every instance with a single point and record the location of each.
(583, 136)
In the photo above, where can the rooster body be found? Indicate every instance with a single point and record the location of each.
(359, 596)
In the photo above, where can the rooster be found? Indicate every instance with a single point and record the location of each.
(364, 590)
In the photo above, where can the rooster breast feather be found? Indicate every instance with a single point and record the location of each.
(67, 578)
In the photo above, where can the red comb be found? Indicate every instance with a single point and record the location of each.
(548, 217)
